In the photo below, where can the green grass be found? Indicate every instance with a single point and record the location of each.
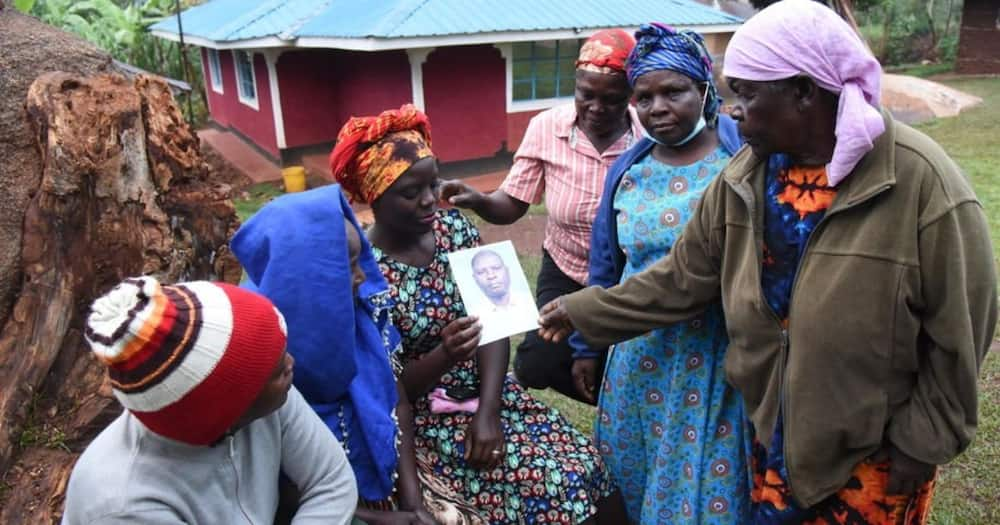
(580, 414)
(922, 70)
(969, 488)
(255, 197)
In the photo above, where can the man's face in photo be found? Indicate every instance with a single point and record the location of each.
(492, 276)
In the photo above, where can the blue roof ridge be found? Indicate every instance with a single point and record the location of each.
(289, 32)
(389, 24)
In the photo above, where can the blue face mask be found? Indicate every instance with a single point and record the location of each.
(700, 125)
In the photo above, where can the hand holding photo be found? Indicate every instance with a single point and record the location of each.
(494, 288)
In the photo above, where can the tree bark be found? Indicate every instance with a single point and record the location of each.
(118, 188)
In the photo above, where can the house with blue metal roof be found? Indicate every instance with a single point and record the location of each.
(286, 74)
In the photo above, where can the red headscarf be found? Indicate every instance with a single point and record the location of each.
(606, 51)
(372, 152)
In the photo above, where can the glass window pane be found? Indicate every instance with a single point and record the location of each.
(546, 49)
(244, 67)
(545, 79)
(521, 70)
(567, 67)
(213, 66)
(566, 85)
(569, 48)
(521, 91)
(522, 50)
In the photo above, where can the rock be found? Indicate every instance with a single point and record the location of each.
(913, 99)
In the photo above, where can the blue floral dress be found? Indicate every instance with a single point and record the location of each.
(670, 428)
(551, 473)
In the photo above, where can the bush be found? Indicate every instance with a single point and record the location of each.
(121, 27)
(910, 31)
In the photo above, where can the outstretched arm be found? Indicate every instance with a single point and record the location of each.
(675, 288)
(496, 207)
(525, 183)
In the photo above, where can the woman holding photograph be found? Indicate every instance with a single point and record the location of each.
(509, 455)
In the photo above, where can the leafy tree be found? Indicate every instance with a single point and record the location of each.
(24, 5)
(121, 27)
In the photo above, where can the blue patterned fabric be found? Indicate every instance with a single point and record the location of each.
(670, 428)
(659, 47)
(295, 252)
(607, 261)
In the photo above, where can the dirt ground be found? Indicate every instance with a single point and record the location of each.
(526, 234)
(222, 170)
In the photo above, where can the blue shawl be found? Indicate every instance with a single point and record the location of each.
(295, 253)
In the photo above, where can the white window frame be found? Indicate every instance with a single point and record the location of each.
(249, 100)
(516, 106)
(214, 70)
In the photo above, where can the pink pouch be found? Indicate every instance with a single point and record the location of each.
(442, 404)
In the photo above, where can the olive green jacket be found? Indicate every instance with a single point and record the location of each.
(892, 310)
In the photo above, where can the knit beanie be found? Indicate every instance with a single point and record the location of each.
(187, 360)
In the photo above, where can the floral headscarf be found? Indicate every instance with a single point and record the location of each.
(605, 52)
(372, 152)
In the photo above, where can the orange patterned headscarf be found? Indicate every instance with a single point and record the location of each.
(605, 52)
(372, 152)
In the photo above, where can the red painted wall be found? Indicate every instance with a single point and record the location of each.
(464, 93)
(321, 88)
(517, 124)
(228, 111)
(465, 98)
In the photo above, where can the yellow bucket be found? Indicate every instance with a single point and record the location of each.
(294, 178)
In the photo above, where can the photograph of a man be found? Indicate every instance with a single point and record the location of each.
(494, 288)
(493, 278)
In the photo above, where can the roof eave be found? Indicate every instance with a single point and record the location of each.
(253, 43)
(385, 44)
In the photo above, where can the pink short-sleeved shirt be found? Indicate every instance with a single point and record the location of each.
(556, 159)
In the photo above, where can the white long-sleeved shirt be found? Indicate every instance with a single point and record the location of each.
(129, 474)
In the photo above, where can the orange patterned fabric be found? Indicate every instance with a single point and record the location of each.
(806, 190)
(372, 152)
(605, 52)
(862, 501)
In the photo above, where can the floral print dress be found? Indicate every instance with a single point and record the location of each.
(669, 426)
(551, 472)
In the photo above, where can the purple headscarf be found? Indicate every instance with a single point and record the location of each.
(795, 37)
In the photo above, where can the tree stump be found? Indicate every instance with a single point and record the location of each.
(107, 182)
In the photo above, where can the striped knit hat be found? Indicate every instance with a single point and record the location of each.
(188, 360)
